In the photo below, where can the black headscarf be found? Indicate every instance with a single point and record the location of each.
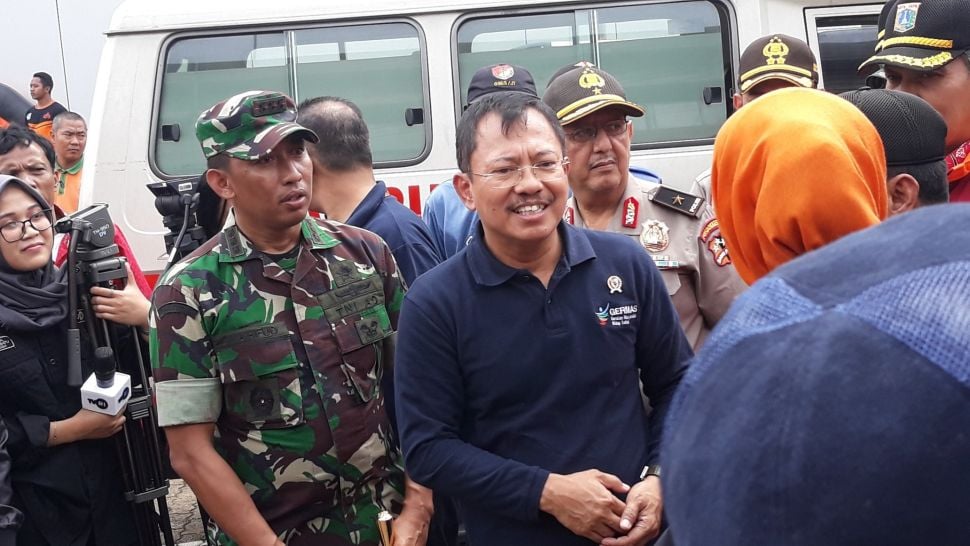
(30, 300)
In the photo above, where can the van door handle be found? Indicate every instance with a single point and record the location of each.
(171, 132)
(712, 95)
(413, 116)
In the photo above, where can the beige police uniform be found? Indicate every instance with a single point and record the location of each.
(686, 246)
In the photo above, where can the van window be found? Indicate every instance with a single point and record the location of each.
(202, 71)
(664, 55)
(844, 37)
(377, 66)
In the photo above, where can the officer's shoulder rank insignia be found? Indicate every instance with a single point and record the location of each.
(682, 202)
(655, 236)
(711, 237)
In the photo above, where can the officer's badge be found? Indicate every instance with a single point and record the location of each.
(655, 236)
(775, 51)
(711, 236)
(592, 81)
(906, 17)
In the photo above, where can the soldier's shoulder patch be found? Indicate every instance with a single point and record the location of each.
(680, 201)
(711, 237)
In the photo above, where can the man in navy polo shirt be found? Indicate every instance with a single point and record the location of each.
(345, 190)
(517, 387)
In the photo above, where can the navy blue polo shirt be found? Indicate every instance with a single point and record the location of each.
(405, 234)
(501, 380)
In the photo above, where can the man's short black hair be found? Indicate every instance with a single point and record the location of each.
(934, 188)
(513, 107)
(45, 79)
(16, 136)
(344, 138)
(218, 161)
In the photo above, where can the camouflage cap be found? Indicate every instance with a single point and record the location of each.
(248, 125)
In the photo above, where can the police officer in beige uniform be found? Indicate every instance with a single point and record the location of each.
(770, 63)
(676, 228)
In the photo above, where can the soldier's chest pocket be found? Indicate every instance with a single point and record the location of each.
(260, 377)
(359, 327)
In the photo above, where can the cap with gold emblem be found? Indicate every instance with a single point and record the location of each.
(922, 36)
(778, 57)
(582, 89)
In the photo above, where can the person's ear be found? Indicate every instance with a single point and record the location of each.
(903, 192)
(218, 180)
(463, 187)
(738, 101)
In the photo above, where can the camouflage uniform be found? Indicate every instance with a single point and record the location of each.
(290, 357)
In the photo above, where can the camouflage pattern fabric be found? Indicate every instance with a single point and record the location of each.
(300, 352)
(247, 126)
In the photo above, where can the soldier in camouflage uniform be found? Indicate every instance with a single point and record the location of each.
(273, 341)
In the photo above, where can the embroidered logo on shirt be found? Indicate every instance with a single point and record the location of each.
(711, 236)
(6, 343)
(617, 316)
(603, 315)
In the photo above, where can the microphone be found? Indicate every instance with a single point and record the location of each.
(106, 391)
(104, 367)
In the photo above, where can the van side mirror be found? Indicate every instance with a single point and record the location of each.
(712, 95)
(414, 116)
(171, 132)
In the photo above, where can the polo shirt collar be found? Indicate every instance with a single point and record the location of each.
(368, 206)
(487, 270)
(74, 169)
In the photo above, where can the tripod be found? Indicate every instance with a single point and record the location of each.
(93, 261)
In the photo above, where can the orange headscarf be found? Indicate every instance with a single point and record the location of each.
(795, 170)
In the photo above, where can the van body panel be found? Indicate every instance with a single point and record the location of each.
(137, 82)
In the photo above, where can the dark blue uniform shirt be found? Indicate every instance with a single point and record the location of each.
(501, 380)
(406, 235)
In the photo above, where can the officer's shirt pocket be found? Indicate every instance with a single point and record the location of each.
(359, 338)
(260, 377)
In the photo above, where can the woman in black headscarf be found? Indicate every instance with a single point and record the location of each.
(65, 472)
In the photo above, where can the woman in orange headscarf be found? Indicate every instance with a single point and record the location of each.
(793, 171)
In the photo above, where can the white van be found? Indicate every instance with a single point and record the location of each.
(407, 64)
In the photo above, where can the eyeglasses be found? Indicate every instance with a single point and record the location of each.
(588, 134)
(506, 177)
(16, 230)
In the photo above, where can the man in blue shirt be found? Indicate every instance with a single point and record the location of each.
(452, 225)
(518, 387)
(345, 190)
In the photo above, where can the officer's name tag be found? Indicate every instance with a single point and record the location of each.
(664, 262)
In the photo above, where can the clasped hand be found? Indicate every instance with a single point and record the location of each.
(586, 504)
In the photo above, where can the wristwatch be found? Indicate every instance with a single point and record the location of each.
(650, 470)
